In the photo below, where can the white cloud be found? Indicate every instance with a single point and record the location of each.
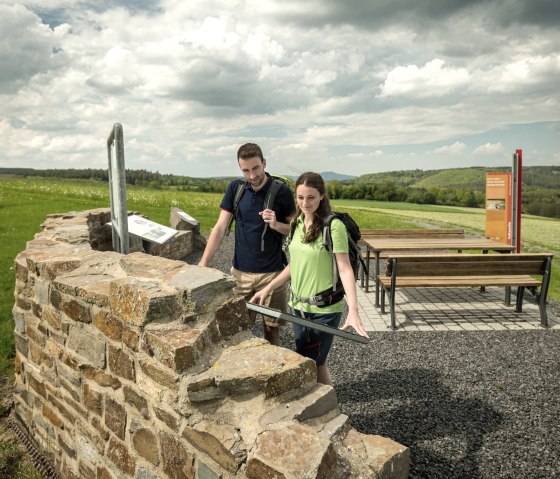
(433, 79)
(489, 149)
(454, 149)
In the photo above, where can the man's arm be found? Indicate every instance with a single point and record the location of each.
(216, 237)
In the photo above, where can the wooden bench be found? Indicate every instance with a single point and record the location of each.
(468, 270)
(404, 233)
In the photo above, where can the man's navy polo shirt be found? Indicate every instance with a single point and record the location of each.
(249, 227)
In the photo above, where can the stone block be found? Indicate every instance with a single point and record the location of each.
(52, 417)
(310, 455)
(177, 461)
(52, 317)
(19, 320)
(100, 377)
(141, 301)
(137, 401)
(177, 349)
(85, 471)
(109, 326)
(88, 346)
(256, 366)
(118, 453)
(158, 373)
(222, 442)
(145, 442)
(93, 400)
(182, 221)
(76, 311)
(169, 418)
(232, 318)
(121, 363)
(205, 472)
(22, 344)
(317, 402)
(37, 385)
(42, 291)
(115, 417)
(387, 458)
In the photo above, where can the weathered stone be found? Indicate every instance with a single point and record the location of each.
(37, 310)
(68, 416)
(88, 346)
(389, 459)
(169, 418)
(100, 377)
(85, 471)
(36, 385)
(52, 417)
(119, 454)
(232, 317)
(42, 291)
(93, 400)
(19, 320)
(136, 400)
(177, 349)
(180, 220)
(52, 317)
(33, 332)
(222, 442)
(142, 473)
(310, 455)
(109, 326)
(146, 444)
(22, 344)
(115, 417)
(177, 461)
(38, 356)
(51, 269)
(159, 373)
(318, 402)
(121, 364)
(205, 472)
(68, 450)
(103, 473)
(140, 301)
(76, 311)
(256, 366)
(130, 338)
(140, 265)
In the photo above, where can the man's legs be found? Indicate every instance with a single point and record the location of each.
(247, 284)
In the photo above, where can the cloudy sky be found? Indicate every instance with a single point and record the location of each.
(353, 86)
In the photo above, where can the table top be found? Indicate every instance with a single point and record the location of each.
(410, 244)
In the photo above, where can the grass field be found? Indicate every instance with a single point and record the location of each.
(25, 203)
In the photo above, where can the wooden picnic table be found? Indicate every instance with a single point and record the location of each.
(379, 244)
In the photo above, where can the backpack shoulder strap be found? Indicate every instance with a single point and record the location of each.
(328, 244)
(242, 183)
(269, 201)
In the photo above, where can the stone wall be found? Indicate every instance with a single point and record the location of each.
(138, 366)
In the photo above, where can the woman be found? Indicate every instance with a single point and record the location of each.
(311, 272)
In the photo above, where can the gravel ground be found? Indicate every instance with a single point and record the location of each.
(468, 404)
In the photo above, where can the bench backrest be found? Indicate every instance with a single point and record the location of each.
(415, 233)
(469, 264)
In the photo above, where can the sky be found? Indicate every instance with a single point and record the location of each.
(353, 86)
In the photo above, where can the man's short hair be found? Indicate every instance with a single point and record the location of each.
(249, 150)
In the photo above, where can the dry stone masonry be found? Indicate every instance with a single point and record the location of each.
(141, 366)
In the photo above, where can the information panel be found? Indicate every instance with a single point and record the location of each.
(499, 207)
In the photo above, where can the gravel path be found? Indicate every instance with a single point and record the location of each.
(468, 404)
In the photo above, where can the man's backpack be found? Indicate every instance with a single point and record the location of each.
(336, 293)
(268, 201)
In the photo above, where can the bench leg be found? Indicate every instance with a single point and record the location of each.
(507, 297)
(383, 292)
(542, 310)
(519, 299)
(393, 313)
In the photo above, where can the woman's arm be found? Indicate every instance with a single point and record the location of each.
(349, 282)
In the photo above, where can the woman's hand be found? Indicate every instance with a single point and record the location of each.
(260, 296)
(353, 319)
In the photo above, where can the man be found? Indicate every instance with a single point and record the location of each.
(258, 256)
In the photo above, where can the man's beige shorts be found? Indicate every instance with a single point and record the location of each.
(247, 284)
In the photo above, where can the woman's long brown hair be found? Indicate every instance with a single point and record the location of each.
(315, 180)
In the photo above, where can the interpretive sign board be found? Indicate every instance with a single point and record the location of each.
(498, 207)
(149, 230)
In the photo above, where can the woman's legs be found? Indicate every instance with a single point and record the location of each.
(324, 375)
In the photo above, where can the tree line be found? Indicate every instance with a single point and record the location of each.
(541, 192)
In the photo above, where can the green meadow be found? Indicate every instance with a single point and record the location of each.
(25, 203)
